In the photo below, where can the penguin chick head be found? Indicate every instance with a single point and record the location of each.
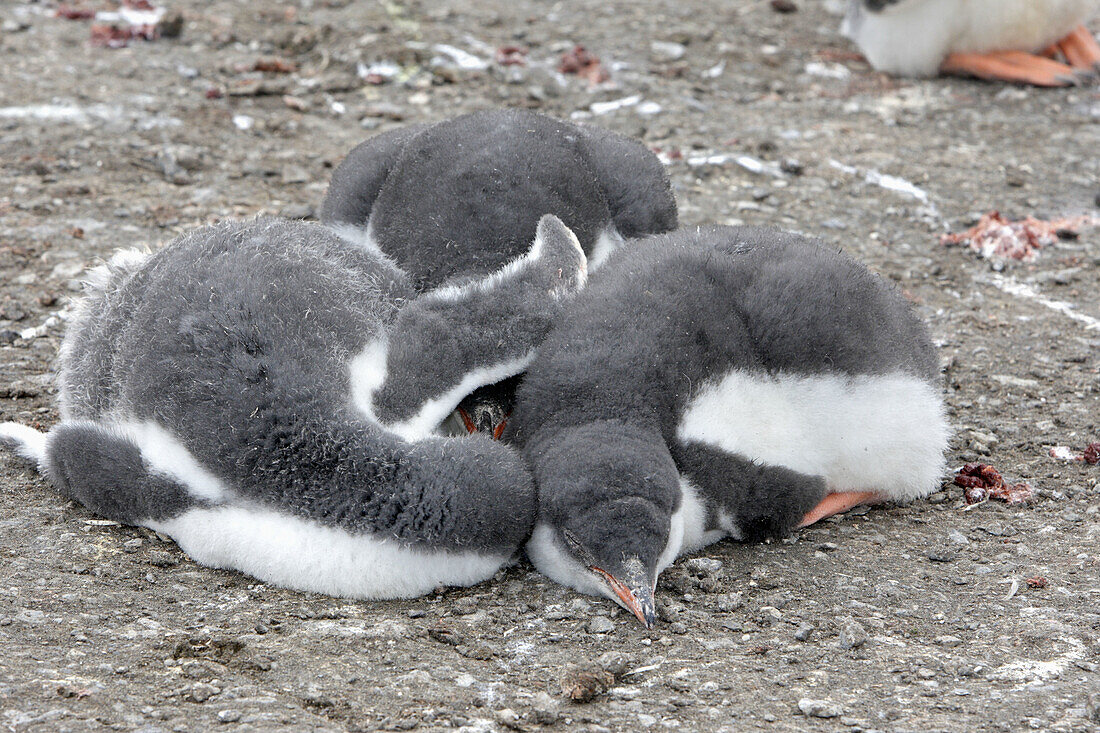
(630, 583)
(613, 548)
(608, 491)
(486, 409)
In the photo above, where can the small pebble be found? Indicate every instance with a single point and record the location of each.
(229, 716)
(956, 537)
(792, 166)
(586, 685)
(706, 565)
(614, 662)
(201, 692)
(599, 625)
(852, 635)
(819, 708)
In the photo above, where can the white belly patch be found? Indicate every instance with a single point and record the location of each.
(305, 555)
(878, 433)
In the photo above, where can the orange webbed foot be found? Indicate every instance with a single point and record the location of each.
(838, 502)
(1081, 49)
(1014, 66)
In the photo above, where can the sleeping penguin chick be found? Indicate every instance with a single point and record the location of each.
(264, 393)
(462, 197)
(720, 382)
(1012, 40)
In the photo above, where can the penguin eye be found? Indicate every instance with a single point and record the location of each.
(578, 549)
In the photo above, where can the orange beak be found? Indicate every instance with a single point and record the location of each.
(644, 607)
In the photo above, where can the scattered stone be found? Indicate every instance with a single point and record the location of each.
(784, 6)
(12, 312)
(481, 652)
(614, 662)
(201, 692)
(162, 559)
(948, 641)
(852, 635)
(669, 611)
(819, 708)
(544, 709)
(803, 632)
(295, 174)
(585, 685)
(1092, 704)
(667, 50)
(445, 635)
(170, 25)
(704, 565)
(792, 166)
(729, 602)
(956, 537)
(229, 716)
(599, 625)
(508, 718)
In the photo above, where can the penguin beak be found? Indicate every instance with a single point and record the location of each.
(483, 423)
(638, 600)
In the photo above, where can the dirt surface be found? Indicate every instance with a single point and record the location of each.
(910, 618)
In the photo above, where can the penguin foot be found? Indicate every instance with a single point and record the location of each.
(1016, 66)
(836, 503)
(1080, 49)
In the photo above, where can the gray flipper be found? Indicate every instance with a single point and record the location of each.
(453, 340)
(763, 501)
(104, 471)
(633, 180)
(357, 181)
(101, 469)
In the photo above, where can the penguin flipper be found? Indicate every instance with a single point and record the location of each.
(457, 338)
(634, 181)
(758, 499)
(359, 178)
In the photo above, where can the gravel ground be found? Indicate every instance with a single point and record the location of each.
(910, 618)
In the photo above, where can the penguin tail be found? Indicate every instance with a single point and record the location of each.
(102, 468)
(25, 441)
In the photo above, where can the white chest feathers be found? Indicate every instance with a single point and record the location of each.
(879, 433)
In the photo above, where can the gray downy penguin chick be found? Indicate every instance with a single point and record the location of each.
(462, 197)
(990, 39)
(257, 392)
(720, 382)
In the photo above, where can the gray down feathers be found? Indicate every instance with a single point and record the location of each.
(597, 411)
(236, 338)
(463, 196)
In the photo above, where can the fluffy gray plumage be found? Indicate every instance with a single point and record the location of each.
(599, 413)
(463, 196)
(219, 374)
